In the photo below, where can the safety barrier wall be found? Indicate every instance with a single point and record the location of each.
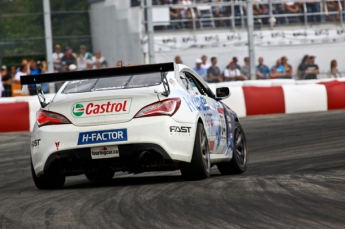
(247, 98)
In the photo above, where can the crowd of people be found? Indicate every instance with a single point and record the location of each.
(62, 62)
(331, 10)
(306, 70)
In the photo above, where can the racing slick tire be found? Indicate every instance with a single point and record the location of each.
(239, 161)
(200, 165)
(100, 175)
(51, 180)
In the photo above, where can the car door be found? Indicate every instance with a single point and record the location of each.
(213, 113)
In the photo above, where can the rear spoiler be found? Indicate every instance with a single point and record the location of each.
(98, 73)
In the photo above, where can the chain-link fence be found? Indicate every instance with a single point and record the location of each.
(22, 35)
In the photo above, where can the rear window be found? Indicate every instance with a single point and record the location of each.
(113, 83)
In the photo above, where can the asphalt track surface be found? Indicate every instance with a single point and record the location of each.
(295, 179)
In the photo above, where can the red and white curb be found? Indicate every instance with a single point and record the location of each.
(247, 98)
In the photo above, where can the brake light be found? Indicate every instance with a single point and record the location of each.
(50, 118)
(166, 107)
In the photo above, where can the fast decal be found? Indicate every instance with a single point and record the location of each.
(102, 107)
(181, 129)
(35, 142)
(94, 137)
(57, 144)
(172, 82)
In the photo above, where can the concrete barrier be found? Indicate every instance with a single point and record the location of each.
(254, 98)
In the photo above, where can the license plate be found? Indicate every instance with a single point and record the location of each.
(102, 152)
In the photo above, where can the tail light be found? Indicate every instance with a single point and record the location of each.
(166, 107)
(50, 118)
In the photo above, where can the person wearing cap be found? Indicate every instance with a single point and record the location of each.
(6, 81)
(312, 69)
(68, 58)
(198, 69)
(83, 57)
(232, 73)
(57, 56)
(262, 71)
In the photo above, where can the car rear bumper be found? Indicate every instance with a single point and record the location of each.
(152, 133)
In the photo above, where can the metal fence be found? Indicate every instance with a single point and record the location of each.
(22, 28)
(200, 14)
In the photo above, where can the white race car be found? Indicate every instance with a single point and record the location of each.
(137, 119)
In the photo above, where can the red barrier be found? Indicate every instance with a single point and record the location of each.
(264, 100)
(14, 117)
(335, 94)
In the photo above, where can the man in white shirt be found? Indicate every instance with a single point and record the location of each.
(204, 63)
(232, 73)
(57, 55)
(1, 86)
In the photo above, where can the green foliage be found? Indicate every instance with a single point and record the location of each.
(22, 26)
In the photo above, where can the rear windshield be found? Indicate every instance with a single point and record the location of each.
(113, 83)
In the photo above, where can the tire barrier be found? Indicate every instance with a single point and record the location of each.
(268, 97)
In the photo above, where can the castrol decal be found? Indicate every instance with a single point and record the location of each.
(101, 107)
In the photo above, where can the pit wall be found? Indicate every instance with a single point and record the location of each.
(256, 97)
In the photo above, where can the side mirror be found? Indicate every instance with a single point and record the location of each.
(222, 93)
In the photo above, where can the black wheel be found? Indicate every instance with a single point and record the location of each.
(100, 175)
(239, 161)
(52, 180)
(200, 166)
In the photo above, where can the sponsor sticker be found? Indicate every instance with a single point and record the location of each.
(180, 129)
(57, 144)
(94, 137)
(102, 152)
(102, 107)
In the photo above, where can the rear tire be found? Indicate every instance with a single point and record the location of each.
(52, 180)
(200, 166)
(239, 161)
(100, 175)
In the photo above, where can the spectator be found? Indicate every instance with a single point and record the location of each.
(217, 12)
(187, 13)
(198, 69)
(6, 81)
(245, 69)
(89, 65)
(119, 63)
(313, 7)
(175, 14)
(234, 59)
(333, 72)
(288, 67)
(83, 57)
(34, 69)
(22, 72)
(302, 67)
(57, 56)
(312, 69)
(278, 8)
(333, 6)
(278, 71)
(1, 87)
(68, 58)
(261, 9)
(178, 60)
(99, 60)
(292, 8)
(232, 73)
(213, 72)
(204, 63)
(262, 71)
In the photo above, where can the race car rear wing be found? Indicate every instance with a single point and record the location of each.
(98, 73)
